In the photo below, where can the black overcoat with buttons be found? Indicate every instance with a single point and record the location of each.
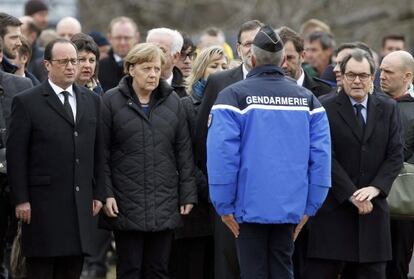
(359, 159)
(57, 166)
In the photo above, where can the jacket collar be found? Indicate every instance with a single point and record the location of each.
(53, 100)
(348, 114)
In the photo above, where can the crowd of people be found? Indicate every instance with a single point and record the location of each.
(186, 161)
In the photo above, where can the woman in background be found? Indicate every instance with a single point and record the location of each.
(194, 241)
(88, 54)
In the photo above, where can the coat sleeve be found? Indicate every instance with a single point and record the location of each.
(223, 154)
(394, 158)
(99, 186)
(18, 145)
(319, 161)
(106, 115)
(185, 160)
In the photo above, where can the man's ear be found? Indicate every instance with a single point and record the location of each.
(175, 58)
(253, 60)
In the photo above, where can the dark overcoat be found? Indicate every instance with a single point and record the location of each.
(360, 159)
(57, 166)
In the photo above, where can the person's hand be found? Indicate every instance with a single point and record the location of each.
(96, 207)
(299, 226)
(186, 209)
(364, 207)
(24, 212)
(111, 208)
(231, 224)
(366, 193)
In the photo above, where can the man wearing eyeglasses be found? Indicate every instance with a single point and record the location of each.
(351, 231)
(123, 35)
(55, 165)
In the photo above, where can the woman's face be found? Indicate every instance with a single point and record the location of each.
(146, 76)
(87, 66)
(218, 64)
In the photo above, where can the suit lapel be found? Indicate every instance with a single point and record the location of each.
(347, 113)
(80, 103)
(374, 110)
(53, 101)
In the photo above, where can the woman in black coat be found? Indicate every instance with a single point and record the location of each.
(149, 165)
(194, 241)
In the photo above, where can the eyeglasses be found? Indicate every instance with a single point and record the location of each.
(246, 44)
(361, 76)
(183, 55)
(65, 62)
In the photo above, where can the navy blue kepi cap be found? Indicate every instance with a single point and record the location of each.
(268, 40)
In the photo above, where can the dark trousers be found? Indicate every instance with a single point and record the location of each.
(402, 237)
(330, 269)
(97, 261)
(194, 258)
(299, 254)
(226, 265)
(143, 254)
(265, 251)
(54, 267)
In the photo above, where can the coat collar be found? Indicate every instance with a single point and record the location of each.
(348, 114)
(53, 100)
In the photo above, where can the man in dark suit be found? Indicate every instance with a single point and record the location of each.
(352, 228)
(10, 85)
(55, 166)
(123, 35)
(397, 71)
(292, 65)
(225, 259)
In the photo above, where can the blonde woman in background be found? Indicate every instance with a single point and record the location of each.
(194, 241)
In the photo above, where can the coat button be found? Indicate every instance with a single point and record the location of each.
(77, 161)
(75, 133)
(77, 188)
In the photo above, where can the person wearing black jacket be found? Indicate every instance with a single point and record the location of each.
(194, 241)
(149, 165)
(397, 70)
(123, 35)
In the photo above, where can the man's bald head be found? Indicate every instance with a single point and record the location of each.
(397, 70)
(67, 27)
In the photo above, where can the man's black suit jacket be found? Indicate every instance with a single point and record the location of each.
(110, 72)
(57, 166)
(316, 86)
(359, 159)
(215, 83)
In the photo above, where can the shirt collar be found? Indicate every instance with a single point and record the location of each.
(57, 89)
(245, 71)
(301, 79)
(364, 102)
(117, 58)
(169, 80)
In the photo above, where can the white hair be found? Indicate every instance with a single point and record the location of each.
(266, 57)
(177, 39)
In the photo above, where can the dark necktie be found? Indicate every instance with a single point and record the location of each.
(66, 105)
(359, 116)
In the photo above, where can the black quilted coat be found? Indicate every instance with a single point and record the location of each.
(149, 164)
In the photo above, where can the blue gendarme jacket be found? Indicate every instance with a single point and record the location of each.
(268, 150)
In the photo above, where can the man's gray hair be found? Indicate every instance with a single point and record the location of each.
(177, 39)
(266, 57)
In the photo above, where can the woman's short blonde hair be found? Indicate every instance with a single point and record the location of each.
(200, 64)
(141, 53)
